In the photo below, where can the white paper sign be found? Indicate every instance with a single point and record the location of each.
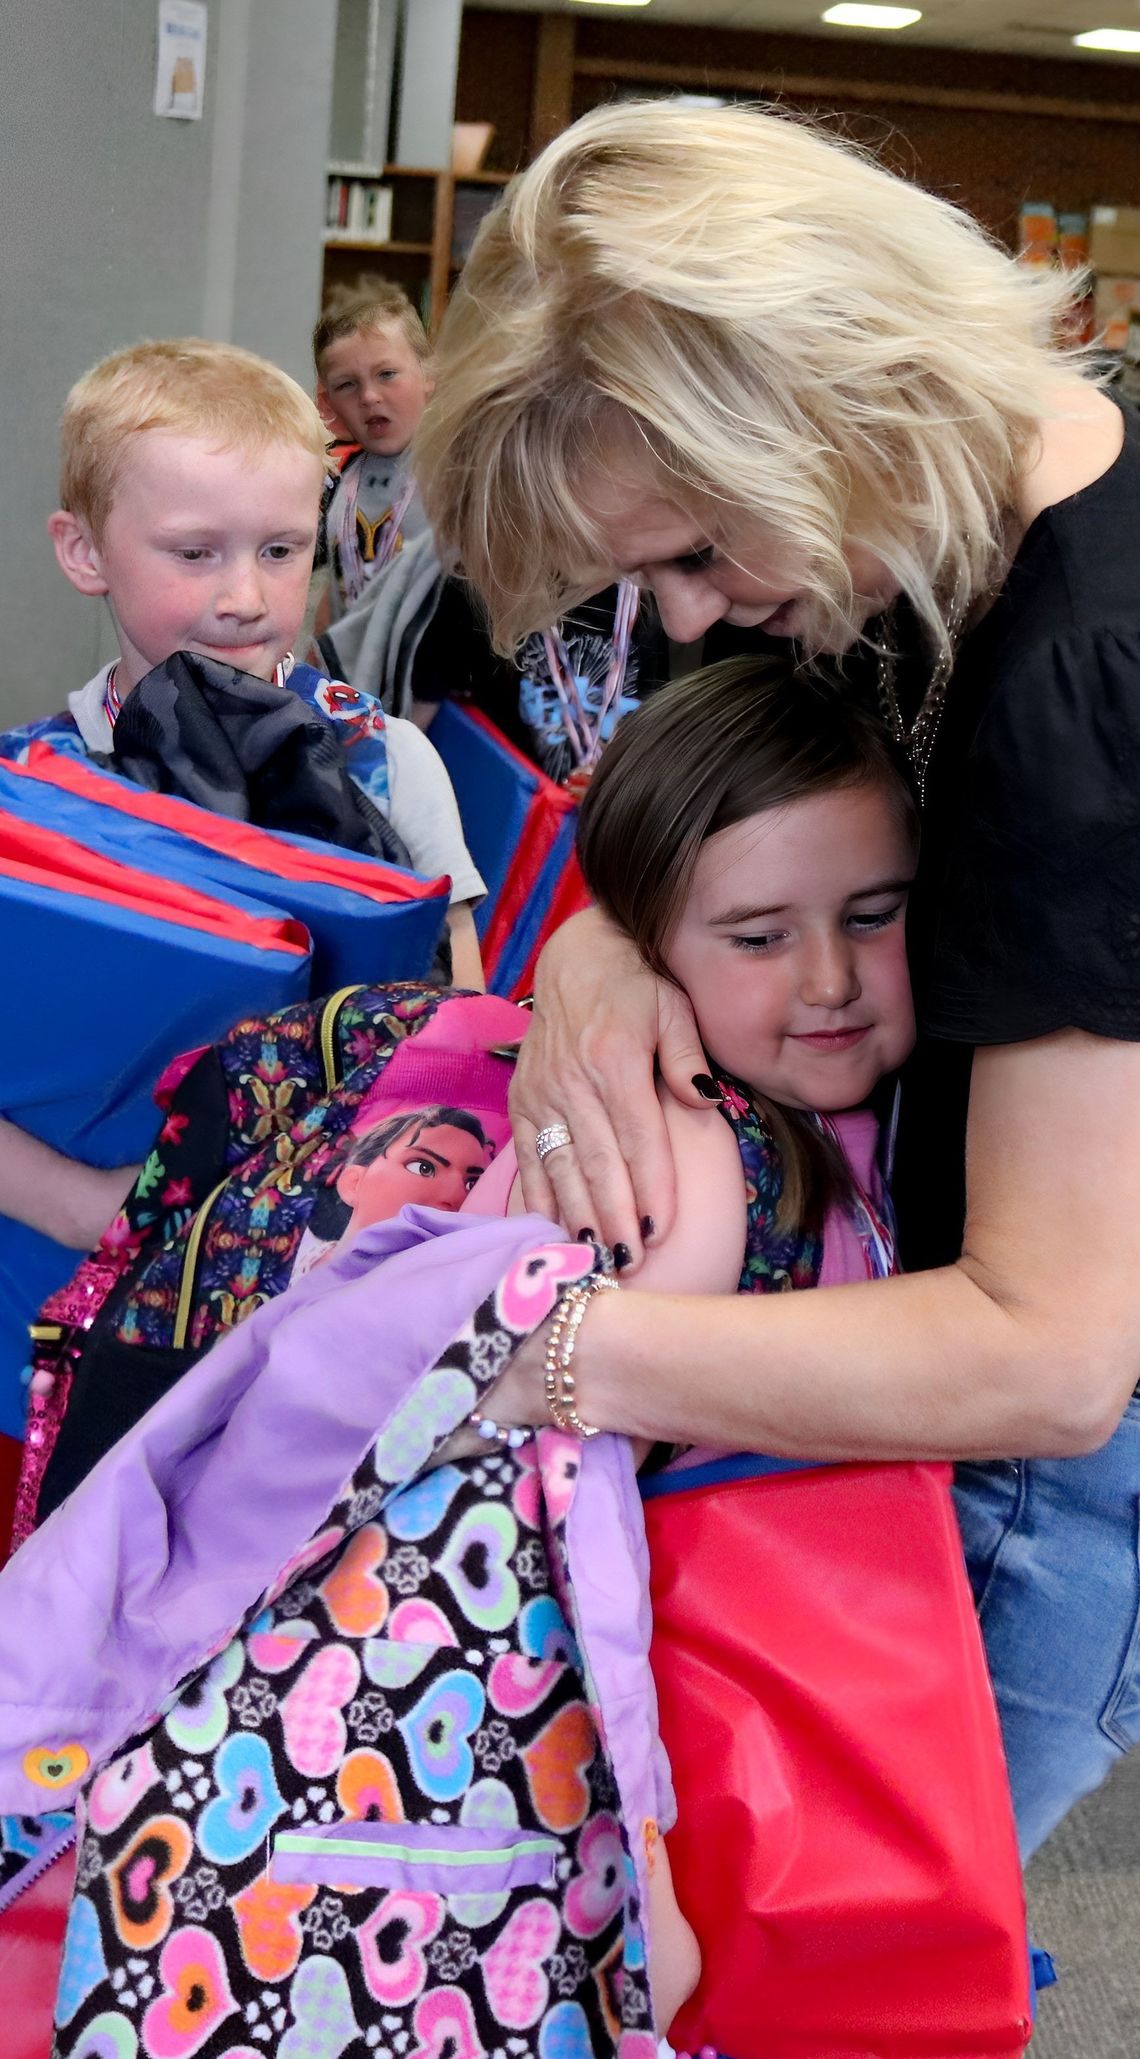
(180, 79)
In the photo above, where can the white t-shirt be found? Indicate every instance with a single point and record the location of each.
(422, 809)
(421, 800)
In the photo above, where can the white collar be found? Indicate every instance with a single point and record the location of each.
(89, 711)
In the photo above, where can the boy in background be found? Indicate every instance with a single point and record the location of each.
(371, 357)
(385, 580)
(191, 482)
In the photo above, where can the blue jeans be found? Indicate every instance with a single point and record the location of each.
(1053, 1551)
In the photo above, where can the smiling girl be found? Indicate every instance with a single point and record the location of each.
(754, 835)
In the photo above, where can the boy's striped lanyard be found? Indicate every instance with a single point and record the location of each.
(354, 573)
(874, 1225)
(585, 731)
(112, 701)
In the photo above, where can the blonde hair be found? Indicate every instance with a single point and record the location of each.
(811, 352)
(189, 387)
(373, 304)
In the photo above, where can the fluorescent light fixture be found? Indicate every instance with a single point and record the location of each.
(1110, 39)
(613, 3)
(845, 17)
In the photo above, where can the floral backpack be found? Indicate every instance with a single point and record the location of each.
(251, 1132)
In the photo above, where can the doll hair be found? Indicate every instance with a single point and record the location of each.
(373, 1143)
(214, 391)
(331, 1215)
(800, 347)
(730, 743)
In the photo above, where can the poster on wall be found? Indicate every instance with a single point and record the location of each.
(180, 77)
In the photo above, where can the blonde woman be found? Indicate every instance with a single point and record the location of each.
(724, 354)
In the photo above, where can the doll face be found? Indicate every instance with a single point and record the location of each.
(435, 1166)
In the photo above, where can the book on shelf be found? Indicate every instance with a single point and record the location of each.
(359, 207)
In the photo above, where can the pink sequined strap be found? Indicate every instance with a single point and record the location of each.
(57, 1340)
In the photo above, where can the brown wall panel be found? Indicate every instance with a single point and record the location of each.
(495, 81)
(988, 131)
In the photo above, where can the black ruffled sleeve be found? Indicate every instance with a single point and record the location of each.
(1038, 909)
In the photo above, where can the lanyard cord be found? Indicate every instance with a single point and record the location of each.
(585, 731)
(355, 574)
(874, 1225)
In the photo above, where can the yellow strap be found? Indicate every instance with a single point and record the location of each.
(190, 1267)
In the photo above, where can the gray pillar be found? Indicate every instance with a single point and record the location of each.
(119, 224)
(425, 92)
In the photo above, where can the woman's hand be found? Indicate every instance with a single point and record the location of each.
(587, 1061)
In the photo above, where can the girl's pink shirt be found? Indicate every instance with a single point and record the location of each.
(843, 1257)
(843, 1261)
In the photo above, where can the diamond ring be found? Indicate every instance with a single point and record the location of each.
(551, 1139)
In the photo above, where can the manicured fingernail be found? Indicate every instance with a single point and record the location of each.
(586, 1236)
(623, 1256)
(706, 1085)
(647, 1227)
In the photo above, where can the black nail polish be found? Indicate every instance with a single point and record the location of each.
(706, 1085)
(586, 1236)
(623, 1256)
(647, 1227)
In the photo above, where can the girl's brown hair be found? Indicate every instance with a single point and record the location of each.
(732, 742)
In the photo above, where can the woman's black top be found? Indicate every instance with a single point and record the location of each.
(1025, 918)
(1026, 913)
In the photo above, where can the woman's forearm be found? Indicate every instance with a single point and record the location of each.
(923, 1367)
(1029, 1345)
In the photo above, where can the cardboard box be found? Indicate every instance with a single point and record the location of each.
(1116, 299)
(1114, 240)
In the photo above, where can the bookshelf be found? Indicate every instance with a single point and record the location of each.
(433, 217)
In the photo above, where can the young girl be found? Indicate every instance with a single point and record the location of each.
(754, 834)
(416, 1794)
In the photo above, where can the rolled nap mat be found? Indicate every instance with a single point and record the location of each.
(519, 827)
(844, 1839)
(368, 921)
(109, 973)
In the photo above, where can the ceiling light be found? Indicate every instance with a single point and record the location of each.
(846, 17)
(613, 3)
(1109, 39)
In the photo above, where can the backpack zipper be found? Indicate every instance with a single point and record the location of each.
(329, 1014)
(190, 1269)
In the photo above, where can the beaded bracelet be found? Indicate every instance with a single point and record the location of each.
(557, 1378)
(511, 1437)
